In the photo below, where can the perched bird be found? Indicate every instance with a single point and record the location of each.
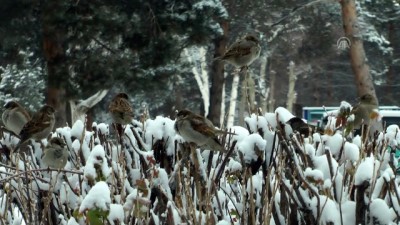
(365, 110)
(15, 117)
(243, 52)
(364, 113)
(120, 109)
(299, 125)
(55, 155)
(40, 126)
(199, 130)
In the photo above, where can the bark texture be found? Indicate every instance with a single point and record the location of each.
(359, 62)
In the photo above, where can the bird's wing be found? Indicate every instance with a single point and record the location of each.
(201, 125)
(239, 48)
(39, 122)
(120, 105)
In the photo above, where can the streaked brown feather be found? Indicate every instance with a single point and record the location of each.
(40, 121)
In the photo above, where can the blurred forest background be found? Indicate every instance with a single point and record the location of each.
(160, 52)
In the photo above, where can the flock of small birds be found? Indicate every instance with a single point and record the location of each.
(193, 127)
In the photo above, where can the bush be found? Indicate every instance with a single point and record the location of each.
(149, 175)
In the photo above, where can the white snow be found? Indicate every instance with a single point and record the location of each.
(256, 122)
(97, 198)
(365, 170)
(309, 150)
(3, 205)
(116, 214)
(103, 128)
(241, 133)
(248, 147)
(283, 114)
(334, 143)
(234, 166)
(349, 212)
(351, 151)
(329, 212)
(316, 137)
(316, 175)
(345, 106)
(18, 218)
(77, 129)
(161, 128)
(96, 158)
(321, 163)
(357, 141)
(161, 179)
(68, 196)
(381, 211)
(271, 119)
(223, 222)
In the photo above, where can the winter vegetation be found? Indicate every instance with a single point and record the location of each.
(268, 175)
(76, 55)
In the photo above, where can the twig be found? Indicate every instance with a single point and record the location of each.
(139, 140)
(221, 168)
(329, 159)
(37, 170)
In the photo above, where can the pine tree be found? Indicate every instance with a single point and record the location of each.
(88, 46)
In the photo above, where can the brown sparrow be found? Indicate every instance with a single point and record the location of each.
(364, 110)
(199, 130)
(15, 117)
(243, 52)
(55, 155)
(40, 126)
(120, 109)
(365, 113)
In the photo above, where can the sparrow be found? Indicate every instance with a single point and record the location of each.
(15, 117)
(364, 110)
(365, 113)
(243, 52)
(120, 109)
(299, 125)
(55, 155)
(197, 129)
(40, 126)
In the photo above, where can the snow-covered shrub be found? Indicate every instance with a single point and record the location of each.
(268, 175)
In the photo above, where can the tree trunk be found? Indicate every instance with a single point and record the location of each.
(263, 81)
(242, 102)
(233, 101)
(271, 97)
(358, 59)
(291, 96)
(251, 93)
(217, 78)
(54, 52)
